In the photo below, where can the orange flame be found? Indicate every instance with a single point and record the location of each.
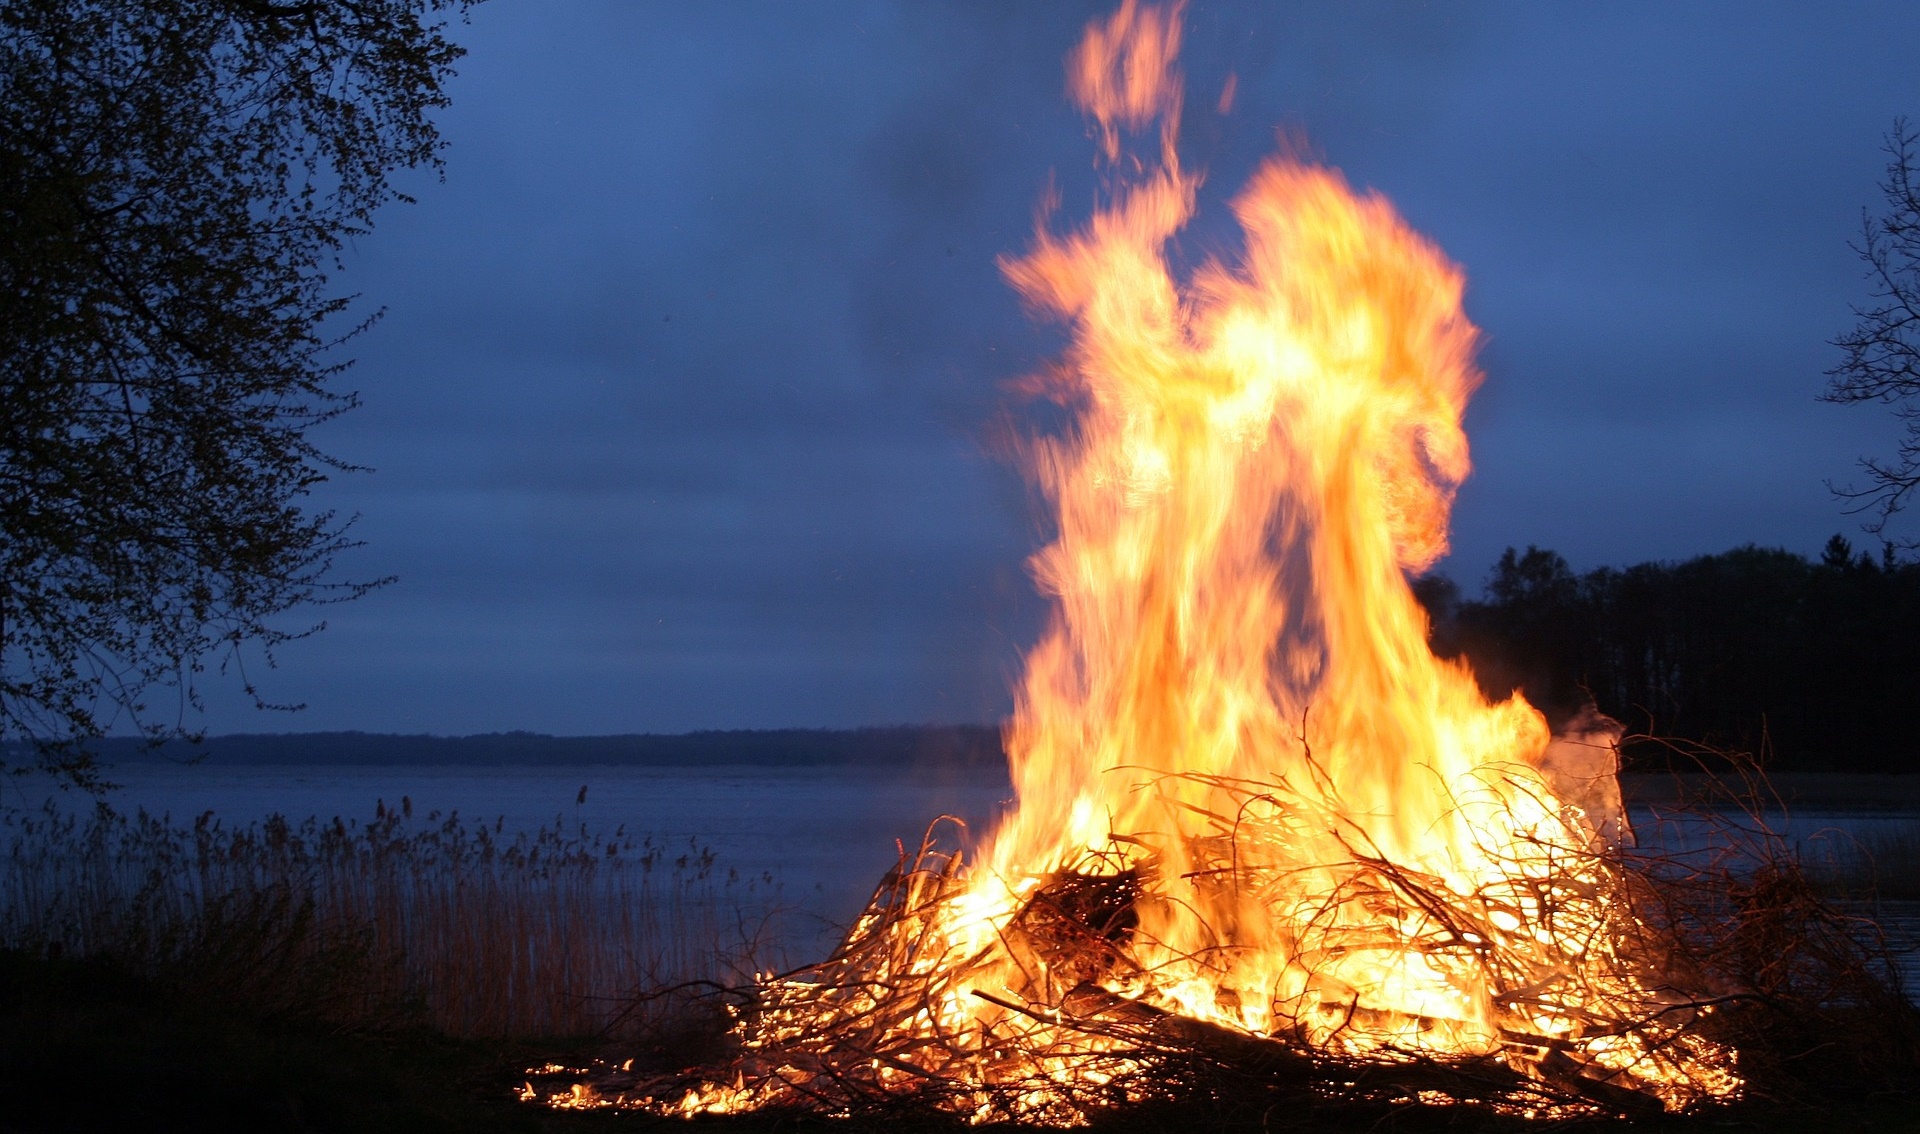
(1285, 818)
(1258, 459)
(1122, 73)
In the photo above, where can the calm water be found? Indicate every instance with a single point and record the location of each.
(825, 835)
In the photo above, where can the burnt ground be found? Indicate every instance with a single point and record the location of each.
(85, 1046)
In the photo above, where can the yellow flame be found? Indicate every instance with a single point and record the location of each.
(1322, 833)
(1258, 459)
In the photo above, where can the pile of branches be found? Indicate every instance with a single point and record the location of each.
(862, 1055)
(1803, 989)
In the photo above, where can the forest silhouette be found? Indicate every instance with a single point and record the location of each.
(1752, 654)
(1803, 665)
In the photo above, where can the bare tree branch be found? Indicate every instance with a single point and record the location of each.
(1882, 352)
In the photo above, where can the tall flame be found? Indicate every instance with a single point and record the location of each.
(1249, 796)
(1258, 459)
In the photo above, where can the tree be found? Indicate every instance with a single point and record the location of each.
(177, 178)
(1882, 352)
(1811, 664)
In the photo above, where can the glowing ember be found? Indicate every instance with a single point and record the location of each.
(1257, 819)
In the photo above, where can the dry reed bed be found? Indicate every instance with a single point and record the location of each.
(1879, 862)
(459, 926)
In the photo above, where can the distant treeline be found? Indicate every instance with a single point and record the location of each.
(1811, 665)
(902, 747)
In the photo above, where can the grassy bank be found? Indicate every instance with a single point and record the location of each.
(398, 922)
(398, 974)
(404, 973)
(87, 1046)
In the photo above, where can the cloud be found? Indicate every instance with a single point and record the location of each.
(682, 408)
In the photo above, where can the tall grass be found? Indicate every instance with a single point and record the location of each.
(459, 926)
(1881, 860)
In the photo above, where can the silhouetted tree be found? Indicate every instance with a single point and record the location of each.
(176, 180)
(1882, 352)
(1810, 664)
(1529, 632)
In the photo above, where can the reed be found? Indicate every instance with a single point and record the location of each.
(459, 926)
(1880, 860)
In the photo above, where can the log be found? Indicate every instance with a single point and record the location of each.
(1093, 1008)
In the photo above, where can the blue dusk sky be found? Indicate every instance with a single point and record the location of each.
(681, 411)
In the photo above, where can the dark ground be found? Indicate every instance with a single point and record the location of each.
(85, 1046)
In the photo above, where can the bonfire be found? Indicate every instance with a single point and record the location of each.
(1260, 829)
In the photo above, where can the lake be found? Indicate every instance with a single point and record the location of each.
(825, 835)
